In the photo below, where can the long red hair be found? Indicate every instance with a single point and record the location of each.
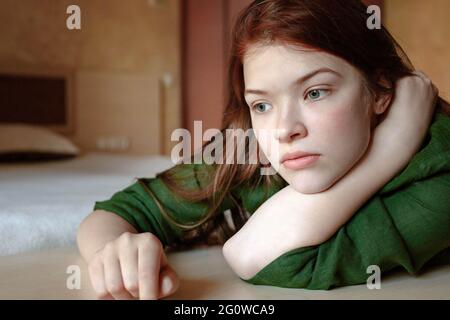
(337, 27)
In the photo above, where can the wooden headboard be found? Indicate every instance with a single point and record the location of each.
(43, 98)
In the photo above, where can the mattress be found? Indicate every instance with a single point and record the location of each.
(42, 204)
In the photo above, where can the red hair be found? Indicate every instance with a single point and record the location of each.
(337, 27)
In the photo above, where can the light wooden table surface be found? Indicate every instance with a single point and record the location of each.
(204, 274)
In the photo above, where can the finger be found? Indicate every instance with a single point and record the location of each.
(168, 279)
(169, 282)
(129, 269)
(148, 266)
(113, 278)
(164, 262)
(97, 276)
(420, 74)
(423, 76)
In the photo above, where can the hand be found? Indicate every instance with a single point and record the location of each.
(132, 266)
(410, 114)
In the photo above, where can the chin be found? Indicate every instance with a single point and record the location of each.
(307, 189)
(311, 186)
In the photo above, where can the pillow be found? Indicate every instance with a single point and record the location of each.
(21, 142)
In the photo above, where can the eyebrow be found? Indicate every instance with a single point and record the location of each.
(298, 81)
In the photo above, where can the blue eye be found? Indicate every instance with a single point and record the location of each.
(315, 94)
(257, 108)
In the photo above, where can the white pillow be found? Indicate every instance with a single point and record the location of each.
(19, 142)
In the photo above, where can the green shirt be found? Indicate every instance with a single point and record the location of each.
(405, 225)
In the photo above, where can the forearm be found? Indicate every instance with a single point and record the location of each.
(290, 220)
(99, 228)
(320, 215)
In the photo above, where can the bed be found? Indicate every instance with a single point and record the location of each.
(203, 274)
(51, 124)
(42, 203)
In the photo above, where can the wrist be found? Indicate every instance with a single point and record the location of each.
(391, 155)
(382, 161)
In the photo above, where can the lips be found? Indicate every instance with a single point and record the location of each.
(296, 155)
(299, 160)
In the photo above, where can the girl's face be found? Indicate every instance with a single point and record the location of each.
(308, 101)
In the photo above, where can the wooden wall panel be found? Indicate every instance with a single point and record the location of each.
(422, 28)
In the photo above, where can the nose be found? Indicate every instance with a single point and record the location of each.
(290, 126)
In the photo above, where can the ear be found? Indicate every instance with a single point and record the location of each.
(382, 100)
(380, 103)
(380, 106)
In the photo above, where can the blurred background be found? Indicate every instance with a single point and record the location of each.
(138, 69)
(106, 98)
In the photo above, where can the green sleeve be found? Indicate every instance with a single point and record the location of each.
(137, 206)
(405, 229)
(405, 225)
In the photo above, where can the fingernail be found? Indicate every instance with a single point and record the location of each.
(167, 285)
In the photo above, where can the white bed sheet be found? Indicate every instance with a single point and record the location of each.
(42, 204)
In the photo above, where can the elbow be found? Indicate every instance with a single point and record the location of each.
(84, 224)
(80, 229)
(239, 260)
(82, 234)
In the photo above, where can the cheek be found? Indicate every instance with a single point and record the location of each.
(345, 131)
(337, 123)
(346, 113)
(268, 144)
(262, 131)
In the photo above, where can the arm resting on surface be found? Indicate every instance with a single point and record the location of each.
(99, 228)
(406, 229)
(290, 220)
